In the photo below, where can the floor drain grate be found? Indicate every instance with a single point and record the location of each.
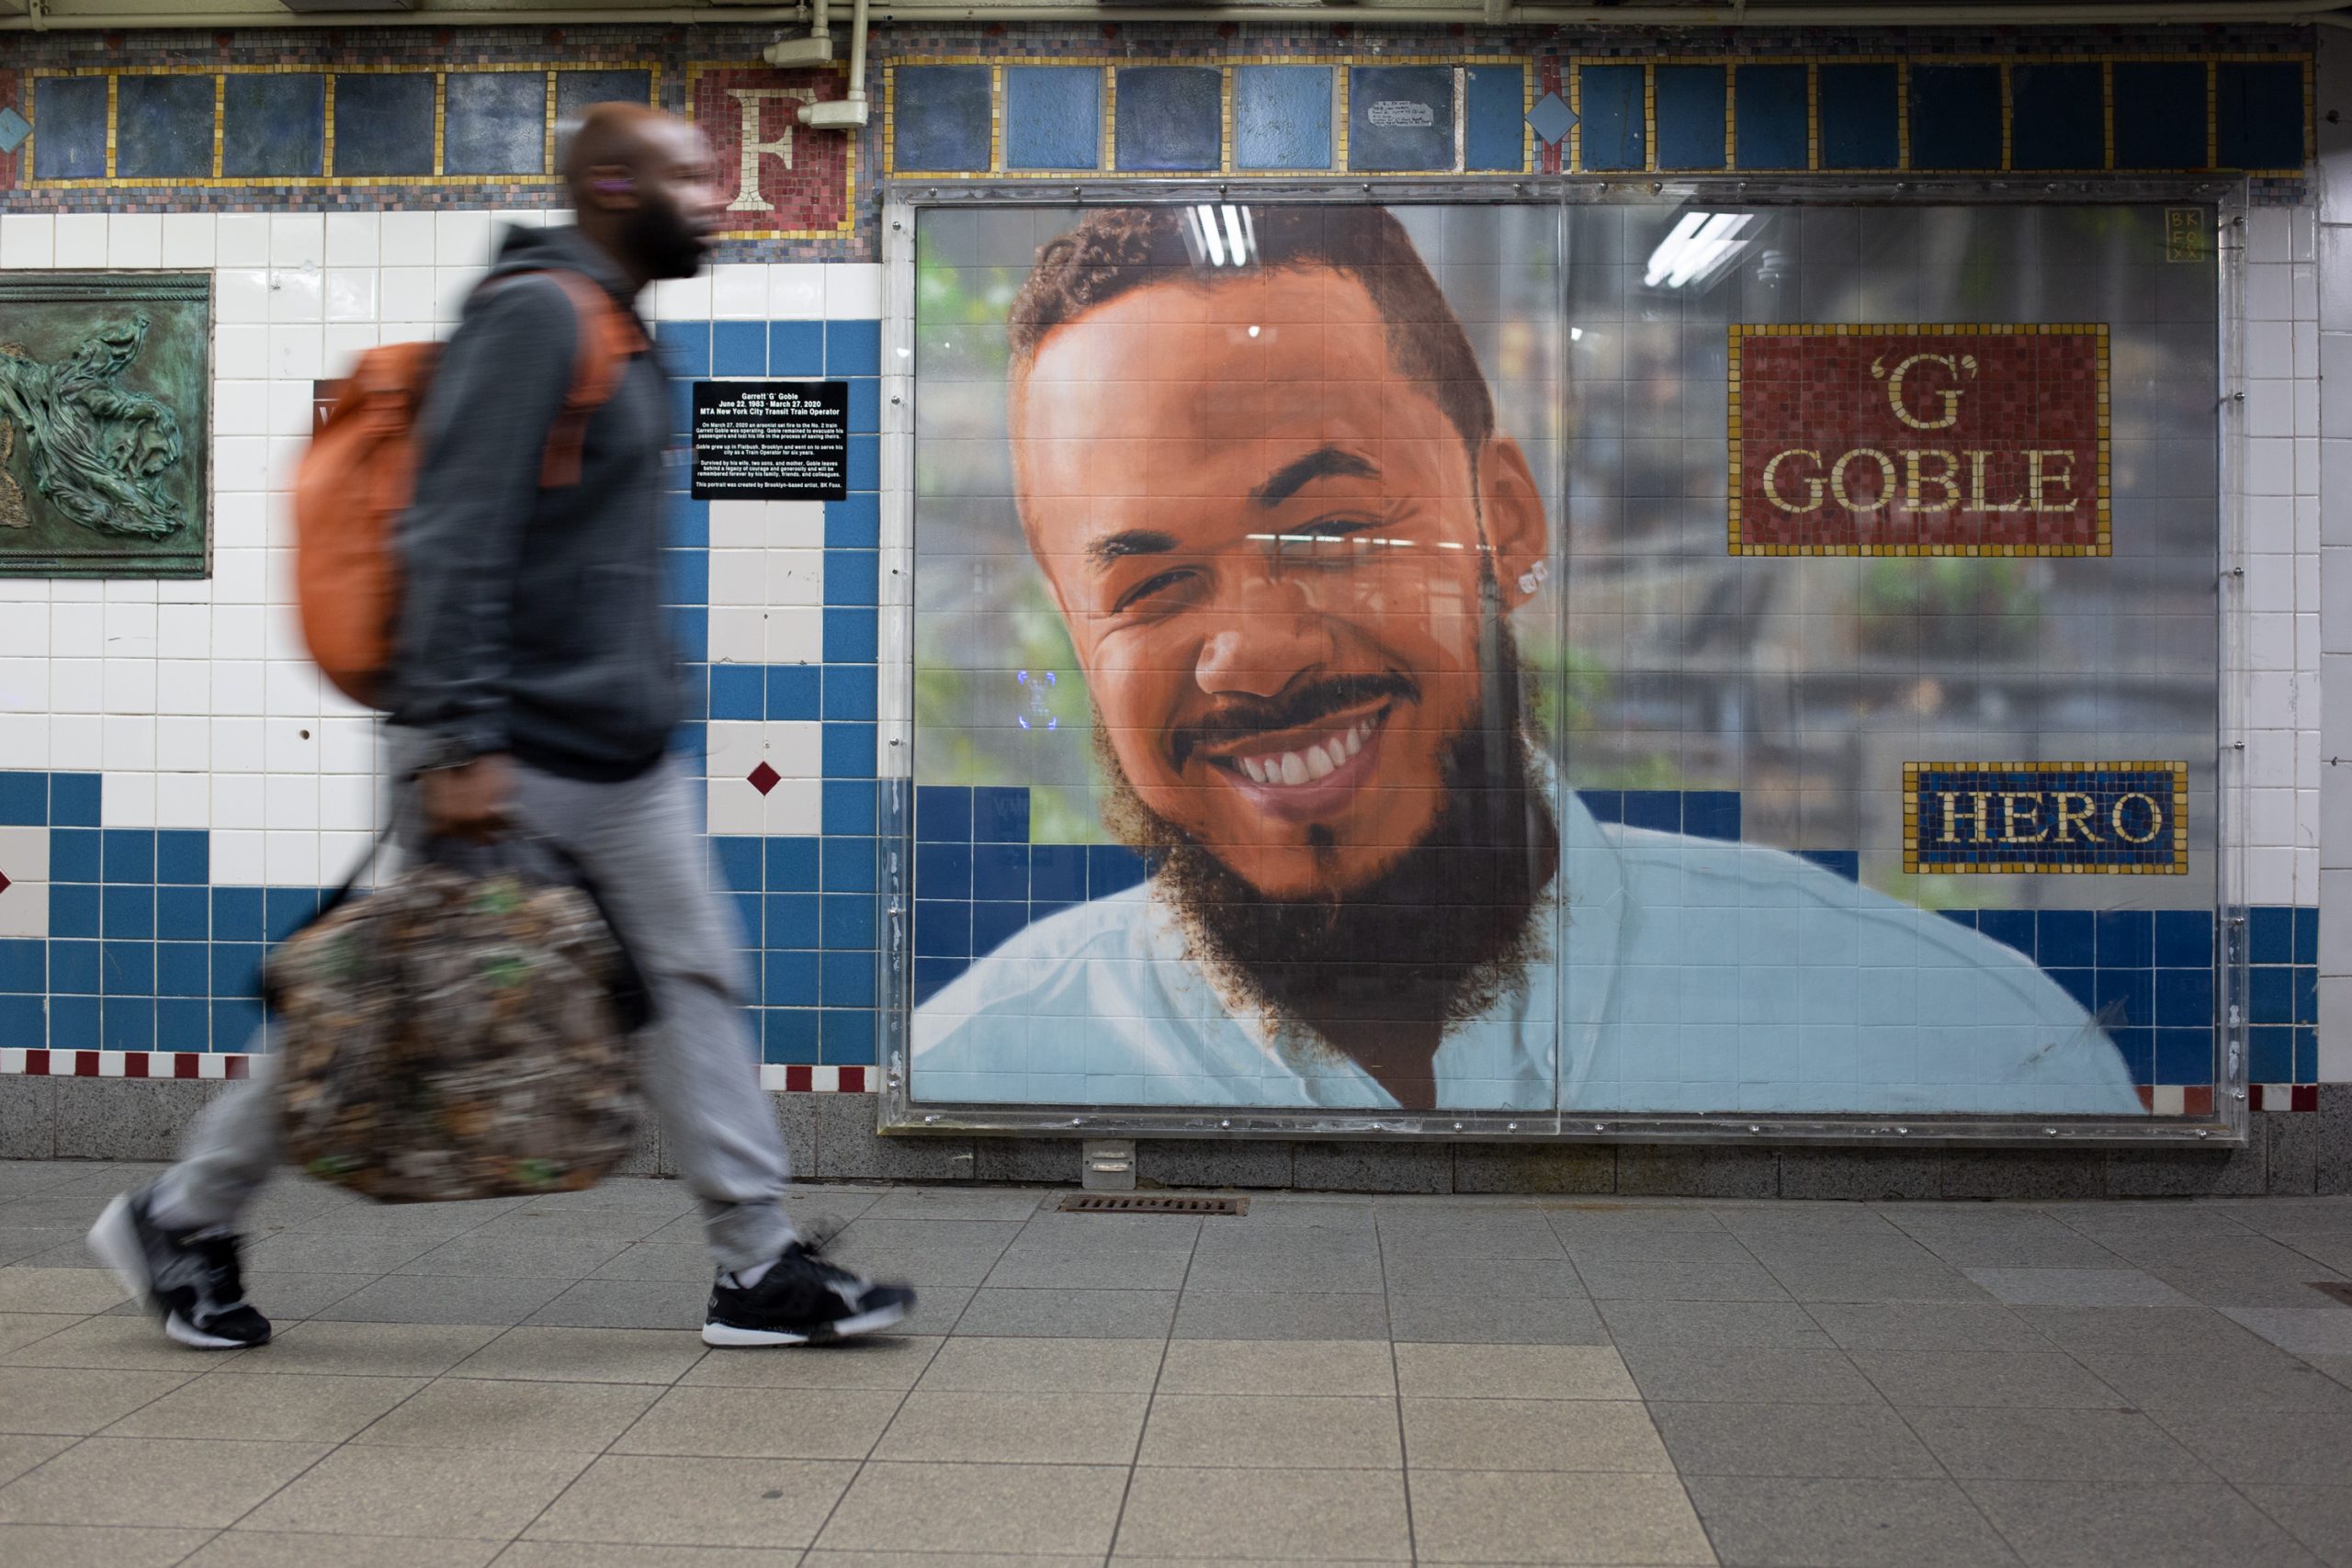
(1150, 1203)
(2336, 1288)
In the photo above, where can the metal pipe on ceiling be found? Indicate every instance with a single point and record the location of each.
(2140, 12)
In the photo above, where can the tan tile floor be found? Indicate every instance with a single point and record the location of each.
(1338, 1380)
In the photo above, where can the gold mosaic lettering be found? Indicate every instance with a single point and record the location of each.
(2155, 818)
(747, 177)
(1950, 395)
(1913, 477)
(1976, 815)
(1813, 482)
(2009, 814)
(2035, 479)
(2077, 816)
(1886, 480)
(1976, 502)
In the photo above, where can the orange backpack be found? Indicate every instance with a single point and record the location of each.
(360, 472)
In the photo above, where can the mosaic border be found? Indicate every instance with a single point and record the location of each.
(1914, 867)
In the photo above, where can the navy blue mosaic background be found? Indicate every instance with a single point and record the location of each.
(1972, 819)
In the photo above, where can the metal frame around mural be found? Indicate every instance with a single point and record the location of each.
(899, 1112)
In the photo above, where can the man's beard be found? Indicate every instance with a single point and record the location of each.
(658, 235)
(1438, 936)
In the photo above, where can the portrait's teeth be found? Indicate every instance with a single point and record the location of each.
(1318, 763)
(1354, 742)
(1294, 770)
(1256, 774)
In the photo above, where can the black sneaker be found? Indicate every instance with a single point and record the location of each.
(191, 1278)
(801, 1300)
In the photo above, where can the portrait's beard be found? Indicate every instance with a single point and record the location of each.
(1438, 935)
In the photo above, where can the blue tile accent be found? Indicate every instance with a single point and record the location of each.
(1281, 116)
(289, 909)
(1660, 810)
(993, 925)
(739, 691)
(795, 348)
(2184, 939)
(236, 968)
(846, 1036)
(72, 909)
(791, 864)
(1169, 118)
(128, 968)
(738, 348)
(2258, 109)
(24, 965)
(1772, 114)
(24, 800)
(943, 929)
(789, 979)
(184, 1024)
(848, 806)
(70, 128)
(163, 126)
(1861, 123)
(689, 523)
(2270, 934)
(2011, 928)
(2063, 940)
(73, 800)
(852, 636)
(1710, 814)
(494, 122)
(1052, 117)
(865, 406)
(237, 915)
(130, 912)
(944, 814)
(1057, 872)
(2154, 128)
(76, 855)
(73, 1022)
(865, 465)
(849, 865)
(130, 1023)
(2124, 997)
(2270, 994)
(2306, 1055)
(1000, 873)
(789, 1035)
(933, 975)
(854, 523)
(74, 968)
(2270, 1054)
(2057, 115)
(2185, 998)
(383, 123)
(2306, 934)
(1689, 117)
(1494, 118)
(1612, 134)
(853, 348)
(795, 690)
(999, 816)
(736, 861)
(1955, 116)
(850, 690)
(2125, 939)
(183, 857)
(791, 920)
(575, 91)
(1112, 868)
(853, 577)
(941, 119)
(847, 921)
(23, 1018)
(1847, 863)
(945, 871)
(684, 346)
(847, 980)
(183, 969)
(1400, 117)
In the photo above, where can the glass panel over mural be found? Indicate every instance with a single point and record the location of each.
(1634, 659)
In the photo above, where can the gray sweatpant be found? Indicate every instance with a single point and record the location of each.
(639, 843)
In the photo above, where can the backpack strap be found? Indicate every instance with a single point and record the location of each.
(609, 338)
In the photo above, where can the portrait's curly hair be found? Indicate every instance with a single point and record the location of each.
(1117, 250)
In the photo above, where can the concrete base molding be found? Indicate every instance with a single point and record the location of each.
(832, 1139)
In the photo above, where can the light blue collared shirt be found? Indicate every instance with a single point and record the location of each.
(1681, 974)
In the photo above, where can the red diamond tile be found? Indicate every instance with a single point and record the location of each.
(4, 882)
(765, 778)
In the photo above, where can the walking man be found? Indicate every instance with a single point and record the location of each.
(534, 686)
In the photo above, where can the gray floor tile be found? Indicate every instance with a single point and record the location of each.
(597, 1554)
(421, 1298)
(644, 1500)
(2110, 1526)
(624, 1303)
(1281, 1513)
(20, 1453)
(1014, 1428)
(312, 1252)
(277, 1549)
(2021, 1240)
(1529, 1433)
(755, 1423)
(2140, 1331)
(1519, 1371)
(1076, 1314)
(1467, 1318)
(307, 1410)
(1519, 1279)
(992, 1203)
(168, 1483)
(1708, 1372)
(1838, 1281)
(2258, 1377)
(1536, 1516)
(1357, 1272)
(874, 1361)
(1260, 1315)
(687, 1263)
(586, 1355)
(2223, 1286)
(1460, 1235)
(2304, 1330)
(1295, 1366)
(125, 1344)
(91, 1546)
(2296, 1446)
(974, 1364)
(957, 1509)
(1755, 1520)
(361, 1349)
(57, 1290)
(18, 1329)
(2013, 1378)
(2077, 1287)
(488, 1253)
(1925, 1326)
(428, 1491)
(1062, 1267)
(1738, 1280)
(2319, 1517)
(77, 1400)
(538, 1417)
(1320, 1432)
(1752, 1325)
(1824, 1441)
(2109, 1445)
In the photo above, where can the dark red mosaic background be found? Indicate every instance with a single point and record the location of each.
(2017, 392)
(810, 192)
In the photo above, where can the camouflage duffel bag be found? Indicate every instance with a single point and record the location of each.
(454, 1035)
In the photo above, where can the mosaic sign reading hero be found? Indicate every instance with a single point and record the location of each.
(1919, 440)
(2129, 818)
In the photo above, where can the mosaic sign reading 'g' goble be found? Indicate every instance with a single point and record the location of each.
(1942, 440)
(103, 431)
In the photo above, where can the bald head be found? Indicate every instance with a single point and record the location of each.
(644, 188)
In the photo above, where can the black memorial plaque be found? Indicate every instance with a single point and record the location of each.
(771, 441)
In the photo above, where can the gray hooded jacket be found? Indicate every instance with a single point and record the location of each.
(532, 619)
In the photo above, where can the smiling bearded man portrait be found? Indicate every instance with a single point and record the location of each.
(1274, 507)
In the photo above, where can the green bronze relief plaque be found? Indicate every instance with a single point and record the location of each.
(105, 429)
